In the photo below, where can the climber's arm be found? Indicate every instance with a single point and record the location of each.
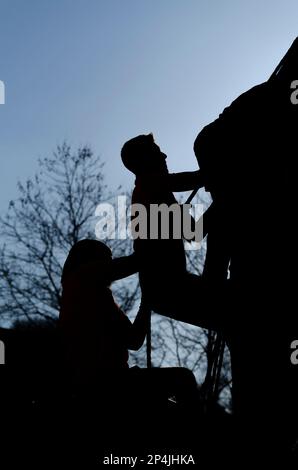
(123, 267)
(139, 328)
(185, 181)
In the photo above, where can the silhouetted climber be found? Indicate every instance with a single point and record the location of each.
(96, 334)
(248, 163)
(169, 288)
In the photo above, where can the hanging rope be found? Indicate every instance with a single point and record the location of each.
(215, 362)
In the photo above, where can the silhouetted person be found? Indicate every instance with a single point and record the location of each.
(248, 162)
(96, 334)
(167, 285)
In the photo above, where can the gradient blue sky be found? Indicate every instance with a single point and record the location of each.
(102, 71)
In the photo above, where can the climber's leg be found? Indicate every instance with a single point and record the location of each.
(194, 300)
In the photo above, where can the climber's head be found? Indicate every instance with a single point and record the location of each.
(141, 155)
(85, 252)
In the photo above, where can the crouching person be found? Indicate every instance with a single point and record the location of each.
(96, 334)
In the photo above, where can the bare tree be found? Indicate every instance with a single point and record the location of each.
(54, 210)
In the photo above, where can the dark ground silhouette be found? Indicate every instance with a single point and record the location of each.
(44, 423)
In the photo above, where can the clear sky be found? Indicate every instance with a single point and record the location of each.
(102, 71)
